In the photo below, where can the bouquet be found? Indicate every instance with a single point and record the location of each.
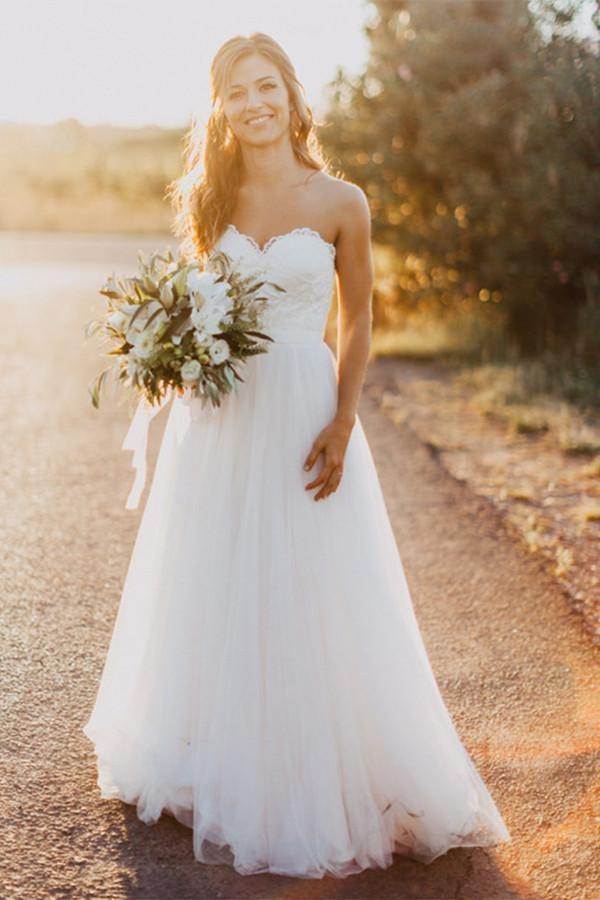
(175, 325)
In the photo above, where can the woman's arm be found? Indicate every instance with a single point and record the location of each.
(354, 265)
(355, 286)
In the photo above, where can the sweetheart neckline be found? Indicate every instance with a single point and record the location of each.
(303, 229)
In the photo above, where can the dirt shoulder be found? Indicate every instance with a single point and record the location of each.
(537, 465)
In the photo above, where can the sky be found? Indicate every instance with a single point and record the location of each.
(142, 62)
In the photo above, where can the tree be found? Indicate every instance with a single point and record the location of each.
(474, 133)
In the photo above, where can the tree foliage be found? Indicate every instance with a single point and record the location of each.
(474, 131)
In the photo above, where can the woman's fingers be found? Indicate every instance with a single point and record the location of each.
(329, 488)
(330, 475)
(318, 480)
(331, 481)
(312, 456)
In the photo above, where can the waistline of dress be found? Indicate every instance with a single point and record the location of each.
(136, 438)
(285, 334)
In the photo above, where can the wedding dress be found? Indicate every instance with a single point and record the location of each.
(266, 682)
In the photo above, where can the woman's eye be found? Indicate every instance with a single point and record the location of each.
(236, 94)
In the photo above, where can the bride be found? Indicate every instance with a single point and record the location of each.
(266, 681)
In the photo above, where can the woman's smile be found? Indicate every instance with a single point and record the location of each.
(254, 121)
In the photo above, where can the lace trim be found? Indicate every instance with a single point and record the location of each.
(277, 237)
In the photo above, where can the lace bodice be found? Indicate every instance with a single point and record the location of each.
(301, 262)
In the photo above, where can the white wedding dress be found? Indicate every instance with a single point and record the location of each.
(266, 680)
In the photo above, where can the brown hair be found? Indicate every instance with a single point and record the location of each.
(206, 194)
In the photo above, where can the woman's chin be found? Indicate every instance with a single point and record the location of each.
(262, 140)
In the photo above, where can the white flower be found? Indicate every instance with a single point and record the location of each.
(197, 318)
(219, 351)
(208, 317)
(117, 320)
(144, 345)
(190, 370)
(203, 338)
(205, 285)
(210, 300)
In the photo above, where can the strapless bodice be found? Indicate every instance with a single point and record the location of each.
(300, 261)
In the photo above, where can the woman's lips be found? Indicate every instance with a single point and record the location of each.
(259, 120)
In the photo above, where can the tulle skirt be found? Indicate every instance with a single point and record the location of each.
(266, 682)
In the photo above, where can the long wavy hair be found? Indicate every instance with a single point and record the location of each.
(206, 194)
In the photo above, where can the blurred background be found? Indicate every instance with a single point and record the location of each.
(472, 125)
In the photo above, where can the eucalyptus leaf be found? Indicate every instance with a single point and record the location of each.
(138, 310)
(180, 282)
(259, 334)
(92, 328)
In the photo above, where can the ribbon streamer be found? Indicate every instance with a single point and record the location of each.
(136, 439)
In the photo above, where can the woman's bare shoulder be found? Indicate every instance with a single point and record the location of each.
(347, 205)
(343, 198)
(341, 189)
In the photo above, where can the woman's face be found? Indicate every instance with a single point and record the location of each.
(256, 101)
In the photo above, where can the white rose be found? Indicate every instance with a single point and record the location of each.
(144, 345)
(190, 370)
(219, 351)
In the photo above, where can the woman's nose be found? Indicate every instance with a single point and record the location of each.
(253, 99)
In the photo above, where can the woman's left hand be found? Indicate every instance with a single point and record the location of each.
(332, 442)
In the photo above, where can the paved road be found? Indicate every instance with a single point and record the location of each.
(512, 663)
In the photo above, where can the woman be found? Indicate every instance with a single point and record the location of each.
(266, 681)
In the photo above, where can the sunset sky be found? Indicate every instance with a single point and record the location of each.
(140, 62)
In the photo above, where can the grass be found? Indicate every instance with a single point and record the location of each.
(469, 334)
(533, 396)
(577, 438)
(503, 391)
(593, 469)
(590, 512)
(438, 340)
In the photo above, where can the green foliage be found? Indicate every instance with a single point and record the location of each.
(474, 132)
(149, 325)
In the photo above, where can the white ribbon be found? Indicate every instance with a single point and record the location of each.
(136, 439)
